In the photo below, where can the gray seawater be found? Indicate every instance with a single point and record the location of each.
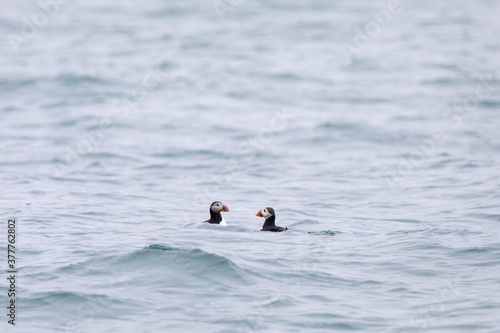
(120, 122)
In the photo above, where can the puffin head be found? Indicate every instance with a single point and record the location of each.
(266, 212)
(218, 207)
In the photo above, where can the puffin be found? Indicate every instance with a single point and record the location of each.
(215, 213)
(270, 216)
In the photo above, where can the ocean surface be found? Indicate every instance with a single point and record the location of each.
(371, 128)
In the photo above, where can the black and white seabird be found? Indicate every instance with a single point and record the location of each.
(270, 216)
(215, 213)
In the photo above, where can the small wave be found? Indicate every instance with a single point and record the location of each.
(490, 104)
(218, 227)
(74, 79)
(404, 220)
(162, 247)
(325, 233)
(306, 222)
(474, 250)
(164, 264)
(339, 126)
(75, 305)
(484, 216)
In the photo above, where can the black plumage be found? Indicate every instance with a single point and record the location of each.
(269, 223)
(215, 212)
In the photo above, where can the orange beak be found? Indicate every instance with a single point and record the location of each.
(259, 214)
(224, 208)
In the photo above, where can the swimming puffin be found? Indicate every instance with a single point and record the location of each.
(270, 216)
(215, 213)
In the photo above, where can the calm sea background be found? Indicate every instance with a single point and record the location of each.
(120, 122)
